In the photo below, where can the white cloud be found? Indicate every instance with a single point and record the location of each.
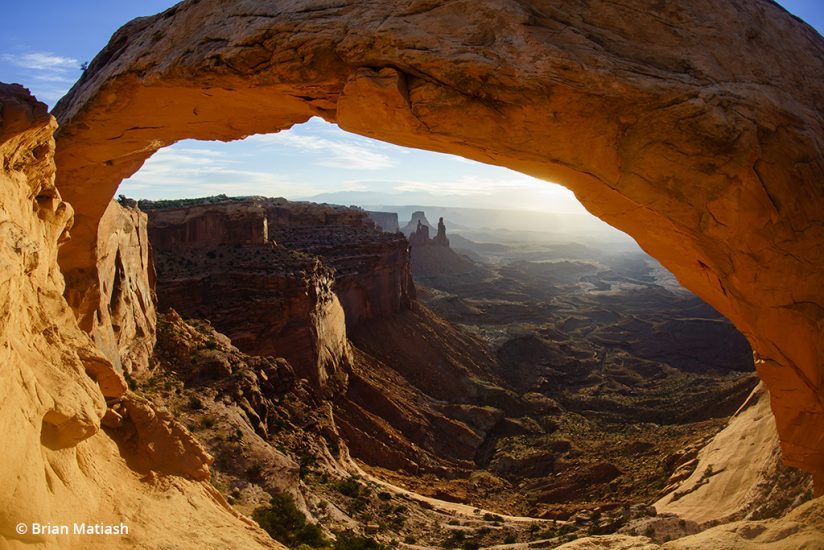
(176, 172)
(42, 61)
(49, 76)
(343, 154)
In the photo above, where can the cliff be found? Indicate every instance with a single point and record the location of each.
(124, 325)
(373, 276)
(279, 278)
(60, 464)
(267, 299)
(385, 221)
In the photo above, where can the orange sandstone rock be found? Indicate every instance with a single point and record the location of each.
(124, 323)
(58, 466)
(696, 127)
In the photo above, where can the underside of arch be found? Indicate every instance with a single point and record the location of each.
(697, 127)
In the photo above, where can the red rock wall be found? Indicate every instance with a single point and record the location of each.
(268, 300)
(210, 225)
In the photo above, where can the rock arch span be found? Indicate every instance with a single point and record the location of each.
(696, 126)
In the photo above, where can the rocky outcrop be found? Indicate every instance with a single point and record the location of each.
(418, 219)
(419, 237)
(59, 466)
(269, 300)
(210, 225)
(296, 270)
(433, 258)
(708, 156)
(124, 324)
(372, 274)
(373, 277)
(440, 239)
(385, 221)
(738, 474)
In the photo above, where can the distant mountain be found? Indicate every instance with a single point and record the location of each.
(484, 224)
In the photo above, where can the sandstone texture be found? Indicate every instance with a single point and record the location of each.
(739, 471)
(696, 128)
(59, 466)
(124, 323)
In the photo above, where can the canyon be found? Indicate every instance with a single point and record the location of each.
(711, 158)
(690, 137)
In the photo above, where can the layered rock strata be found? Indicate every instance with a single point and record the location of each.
(267, 299)
(281, 278)
(373, 276)
(709, 157)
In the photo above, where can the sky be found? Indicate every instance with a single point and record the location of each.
(44, 43)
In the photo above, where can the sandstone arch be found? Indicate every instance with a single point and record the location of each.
(696, 126)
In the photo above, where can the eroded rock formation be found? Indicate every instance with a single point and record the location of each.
(124, 324)
(696, 128)
(433, 257)
(278, 277)
(385, 221)
(440, 239)
(419, 237)
(59, 466)
(418, 218)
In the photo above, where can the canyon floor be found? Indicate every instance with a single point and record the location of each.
(639, 372)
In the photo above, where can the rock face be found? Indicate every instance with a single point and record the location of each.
(418, 219)
(124, 324)
(60, 466)
(739, 472)
(695, 128)
(373, 274)
(440, 239)
(419, 237)
(268, 300)
(210, 226)
(434, 257)
(270, 291)
(385, 221)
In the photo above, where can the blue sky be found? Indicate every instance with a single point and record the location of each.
(42, 45)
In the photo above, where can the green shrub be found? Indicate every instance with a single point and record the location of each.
(347, 540)
(131, 382)
(286, 524)
(254, 471)
(349, 487)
